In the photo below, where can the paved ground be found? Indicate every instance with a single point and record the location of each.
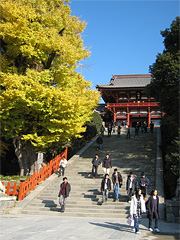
(28, 227)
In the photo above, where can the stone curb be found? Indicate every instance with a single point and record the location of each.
(20, 206)
(159, 175)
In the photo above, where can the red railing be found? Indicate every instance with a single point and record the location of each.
(39, 176)
(132, 104)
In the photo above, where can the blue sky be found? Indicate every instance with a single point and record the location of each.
(123, 36)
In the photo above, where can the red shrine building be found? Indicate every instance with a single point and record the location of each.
(127, 100)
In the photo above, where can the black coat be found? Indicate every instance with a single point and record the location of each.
(119, 178)
(149, 206)
(108, 184)
(96, 162)
(134, 183)
(68, 189)
(107, 163)
(99, 140)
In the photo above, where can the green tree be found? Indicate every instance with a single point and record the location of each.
(165, 72)
(93, 126)
(164, 87)
(43, 98)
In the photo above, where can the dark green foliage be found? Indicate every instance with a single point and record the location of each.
(164, 87)
(9, 162)
(165, 73)
(170, 151)
(93, 127)
(97, 121)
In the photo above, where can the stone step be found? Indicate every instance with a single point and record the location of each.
(85, 200)
(82, 203)
(84, 206)
(75, 214)
(79, 210)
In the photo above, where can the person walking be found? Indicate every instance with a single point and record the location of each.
(109, 130)
(128, 135)
(65, 189)
(131, 185)
(142, 127)
(152, 205)
(143, 183)
(105, 187)
(151, 127)
(119, 131)
(102, 130)
(145, 127)
(62, 166)
(107, 164)
(95, 163)
(137, 130)
(99, 142)
(114, 128)
(137, 208)
(117, 183)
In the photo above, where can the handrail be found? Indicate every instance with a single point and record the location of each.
(39, 176)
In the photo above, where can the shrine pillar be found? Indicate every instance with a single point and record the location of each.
(114, 118)
(128, 117)
(149, 116)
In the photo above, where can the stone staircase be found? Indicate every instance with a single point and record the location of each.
(135, 154)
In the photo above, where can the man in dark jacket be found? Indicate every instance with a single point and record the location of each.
(95, 163)
(109, 130)
(117, 183)
(153, 210)
(151, 127)
(99, 142)
(107, 164)
(65, 189)
(105, 187)
(143, 183)
(131, 185)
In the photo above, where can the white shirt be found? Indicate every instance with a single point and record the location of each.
(106, 186)
(130, 186)
(63, 163)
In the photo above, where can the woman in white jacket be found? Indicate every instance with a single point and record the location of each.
(137, 208)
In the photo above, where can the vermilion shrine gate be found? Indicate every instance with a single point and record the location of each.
(126, 99)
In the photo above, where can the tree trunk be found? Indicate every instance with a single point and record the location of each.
(26, 155)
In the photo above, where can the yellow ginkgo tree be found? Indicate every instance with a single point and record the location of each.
(43, 98)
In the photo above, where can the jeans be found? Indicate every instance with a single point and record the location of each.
(155, 214)
(62, 201)
(61, 170)
(136, 224)
(116, 190)
(94, 170)
(105, 195)
(99, 146)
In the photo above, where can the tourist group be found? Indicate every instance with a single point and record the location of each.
(136, 191)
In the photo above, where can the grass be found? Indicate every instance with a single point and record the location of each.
(11, 178)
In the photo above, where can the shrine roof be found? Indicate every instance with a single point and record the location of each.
(126, 81)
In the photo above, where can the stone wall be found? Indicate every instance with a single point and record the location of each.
(172, 211)
(5, 206)
(173, 206)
